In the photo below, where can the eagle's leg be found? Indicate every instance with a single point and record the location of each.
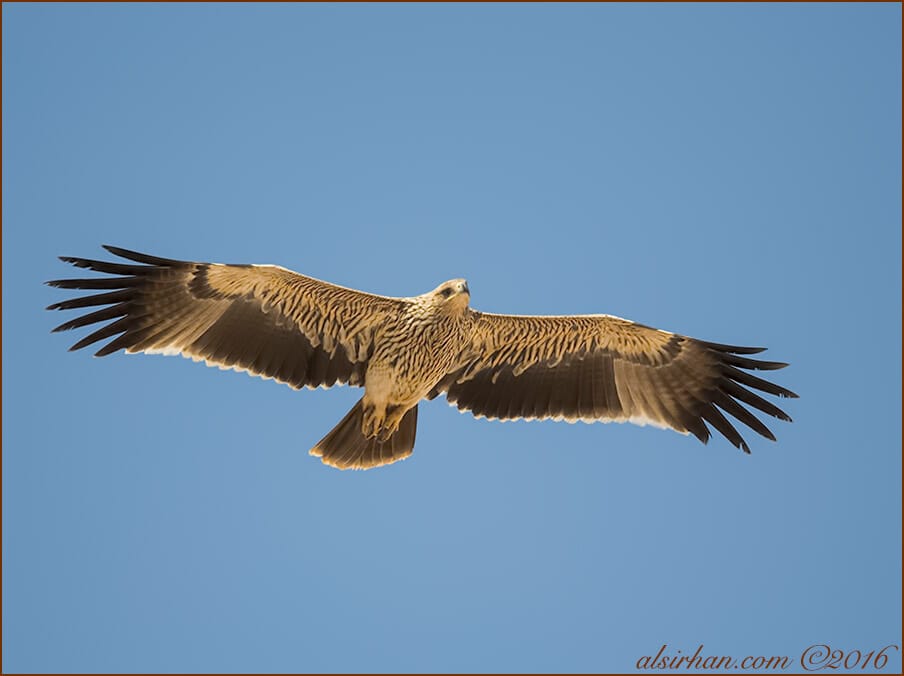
(391, 421)
(386, 401)
(381, 421)
(372, 419)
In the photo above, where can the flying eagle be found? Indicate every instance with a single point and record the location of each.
(275, 323)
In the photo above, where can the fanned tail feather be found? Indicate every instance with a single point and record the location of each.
(346, 447)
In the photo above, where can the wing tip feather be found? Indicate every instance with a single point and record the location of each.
(733, 349)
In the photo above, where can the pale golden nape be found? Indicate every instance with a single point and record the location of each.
(275, 323)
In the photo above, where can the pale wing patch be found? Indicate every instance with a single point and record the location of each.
(524, 341)
(237, 280)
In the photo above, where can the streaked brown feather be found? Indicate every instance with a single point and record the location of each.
(266, 320)
(603, 368)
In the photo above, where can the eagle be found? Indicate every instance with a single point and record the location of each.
(277, 324)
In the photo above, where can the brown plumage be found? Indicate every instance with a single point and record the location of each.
(275, 323)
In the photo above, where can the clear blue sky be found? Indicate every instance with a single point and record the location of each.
(729, 172)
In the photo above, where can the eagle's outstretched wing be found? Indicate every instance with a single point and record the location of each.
(262, 319)
(603, 368)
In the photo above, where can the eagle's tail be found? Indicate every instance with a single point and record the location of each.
(346, 447)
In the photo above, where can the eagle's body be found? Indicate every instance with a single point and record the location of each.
(278, 324)
(412, 353)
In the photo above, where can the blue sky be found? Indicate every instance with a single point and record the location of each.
(729, 172)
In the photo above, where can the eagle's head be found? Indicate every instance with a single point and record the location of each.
(452, 296)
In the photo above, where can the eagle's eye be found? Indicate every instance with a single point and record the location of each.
(445, 293)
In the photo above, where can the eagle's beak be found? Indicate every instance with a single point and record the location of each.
(463, 287)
